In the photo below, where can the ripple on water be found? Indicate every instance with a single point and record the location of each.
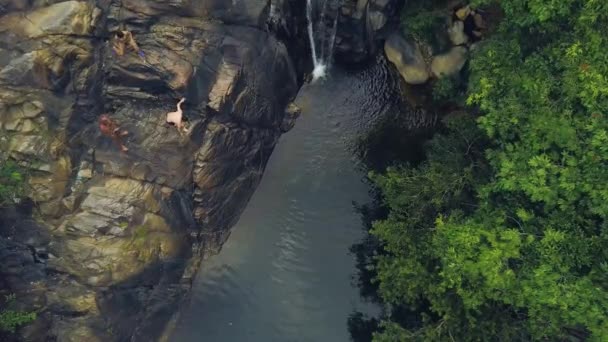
(292, 243)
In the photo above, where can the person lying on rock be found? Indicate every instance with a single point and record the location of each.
(110, 129)
(124, 40)
(176, 118)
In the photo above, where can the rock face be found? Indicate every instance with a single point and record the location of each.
(115, 238)
(449, 63)
(456, 33)
(363, 25)
(407, 58)
(465, 27)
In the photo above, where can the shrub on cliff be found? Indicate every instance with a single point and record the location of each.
(446, 90)
(423, 19)
(511, 243)
(11, 183)
(10, 319)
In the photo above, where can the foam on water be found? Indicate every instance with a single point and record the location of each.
(321, 59)
(319, 72)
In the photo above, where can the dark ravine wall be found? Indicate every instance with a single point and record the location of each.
(111, 240)
(363, 25)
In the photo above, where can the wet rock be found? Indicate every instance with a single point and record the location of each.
(377, 20)
(406, 56)
(449, 63)
(363, 26)
(456, 33)
(67, 18)
(479, 21)
(463, 12)
(27, 145)
(291, 114)
(237, 12)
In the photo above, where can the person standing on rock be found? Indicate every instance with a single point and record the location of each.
(110, 129)
(176, 118)
(124, 40)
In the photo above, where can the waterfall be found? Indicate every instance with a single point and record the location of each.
(321, 43)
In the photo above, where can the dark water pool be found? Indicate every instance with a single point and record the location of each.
(286, 272)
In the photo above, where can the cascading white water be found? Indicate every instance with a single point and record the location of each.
(321, 59)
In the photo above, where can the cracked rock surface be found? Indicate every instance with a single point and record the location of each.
(109, 241)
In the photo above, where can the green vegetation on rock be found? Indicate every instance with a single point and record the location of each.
(10, 320)
(422, 19)
(446, 90)
(501, 234)
(11, 183)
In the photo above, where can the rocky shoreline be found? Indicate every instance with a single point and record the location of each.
(457, 29)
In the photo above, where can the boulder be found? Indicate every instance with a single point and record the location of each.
(291, 114)
(479, 21)
(407, 58)
(463, 12)
(377, 20)
(449, 63)
(456, 33)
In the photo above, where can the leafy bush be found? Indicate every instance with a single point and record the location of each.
(507, 240)
(11, 183)
(446, 90)
(10, 320)
(424, 23)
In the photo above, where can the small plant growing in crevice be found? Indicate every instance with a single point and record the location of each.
(10, 320)
(144, 244)
(12, 183)
(139, 236)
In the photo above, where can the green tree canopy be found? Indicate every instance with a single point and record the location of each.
(504, 236)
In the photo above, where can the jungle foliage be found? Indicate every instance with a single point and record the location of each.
(11, 319)
(501, 234)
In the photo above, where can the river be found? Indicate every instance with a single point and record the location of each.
(285, 273)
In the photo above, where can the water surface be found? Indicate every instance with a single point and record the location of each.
(285, 273)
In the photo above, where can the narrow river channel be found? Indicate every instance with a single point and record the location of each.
(285, 273)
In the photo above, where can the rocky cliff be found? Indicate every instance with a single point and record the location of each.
(363, 25)
(109, 241)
